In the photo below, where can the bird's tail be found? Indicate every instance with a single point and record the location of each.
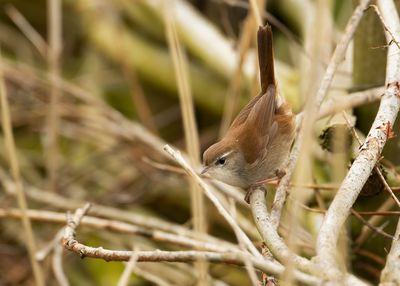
(266, 57)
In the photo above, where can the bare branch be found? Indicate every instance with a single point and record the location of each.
(367, 158)
(209, 193)
(235, 258)
(306, 130)
(330, 107)
(275, 244)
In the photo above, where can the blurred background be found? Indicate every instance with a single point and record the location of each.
(94, 96)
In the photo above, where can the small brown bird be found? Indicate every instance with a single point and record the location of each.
(259, 139)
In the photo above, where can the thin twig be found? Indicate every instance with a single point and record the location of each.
(365, 231)
(49, 247)
(383, 22)
(124, 279)
(362, 213)
(235, 258)
(154, 278)
(375, 229)
(207, 190)
(351, 100)
(57, 265)
(26, 28)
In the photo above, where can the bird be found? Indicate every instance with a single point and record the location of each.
(256, 145)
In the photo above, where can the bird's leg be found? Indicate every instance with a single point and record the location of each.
(271, 181)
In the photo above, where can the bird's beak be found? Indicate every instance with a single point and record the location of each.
(205, 169)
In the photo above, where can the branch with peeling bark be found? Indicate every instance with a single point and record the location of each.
(368, 156)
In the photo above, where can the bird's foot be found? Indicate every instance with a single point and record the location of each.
(271, 181)
(280, 173)
(251, 189)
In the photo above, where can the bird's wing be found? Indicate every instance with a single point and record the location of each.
(244, 113)
(261, 127)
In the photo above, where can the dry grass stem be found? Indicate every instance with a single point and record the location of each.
(15, 171)
(57, 265)
(54, 51)
(190, 127)
(34, 37)
(129, 267)
(255, 10)
(233, 91)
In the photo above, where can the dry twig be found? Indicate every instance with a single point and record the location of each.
(236, 258)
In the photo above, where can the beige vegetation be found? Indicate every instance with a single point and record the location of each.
(106, 107)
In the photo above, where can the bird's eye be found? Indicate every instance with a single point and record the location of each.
(221, 161)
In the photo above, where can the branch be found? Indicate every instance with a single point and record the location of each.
(176, 155)
(274, 242)
(313, 107)
(391, 273)
(368, 156)
(235, 258)
(331, 106)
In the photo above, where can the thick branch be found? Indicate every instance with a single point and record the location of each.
(369, 153)
(274, 242)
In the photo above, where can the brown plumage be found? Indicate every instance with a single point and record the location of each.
(259, 139)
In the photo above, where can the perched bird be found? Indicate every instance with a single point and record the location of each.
(257, 143)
